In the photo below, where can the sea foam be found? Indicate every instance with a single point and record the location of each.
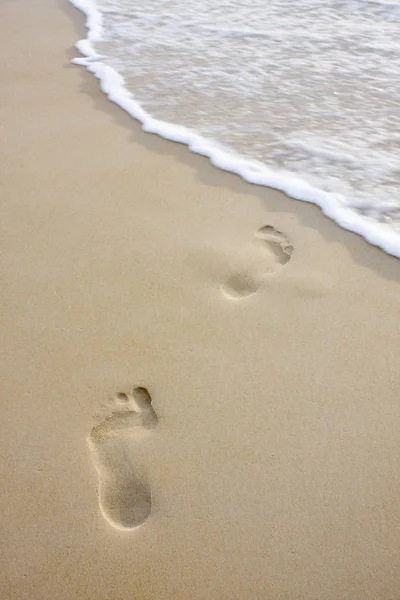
(378, 223)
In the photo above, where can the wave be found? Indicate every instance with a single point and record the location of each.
(334, 205)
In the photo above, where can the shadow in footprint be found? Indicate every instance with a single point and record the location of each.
(268, 252)
(124, 496)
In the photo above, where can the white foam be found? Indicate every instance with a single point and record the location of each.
(333, 205)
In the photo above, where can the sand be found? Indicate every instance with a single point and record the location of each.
(200, 377)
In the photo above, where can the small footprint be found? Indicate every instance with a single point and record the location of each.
(269, 251)
(124, 496)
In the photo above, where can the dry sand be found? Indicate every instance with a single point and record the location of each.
(272, 460)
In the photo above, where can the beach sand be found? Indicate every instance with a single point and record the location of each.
(264, 462)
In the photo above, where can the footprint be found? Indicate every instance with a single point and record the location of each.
(124, 496)
(269, 250)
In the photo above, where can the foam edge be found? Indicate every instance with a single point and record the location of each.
(332, 205)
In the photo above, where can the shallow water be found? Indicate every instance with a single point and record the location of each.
(305, 87)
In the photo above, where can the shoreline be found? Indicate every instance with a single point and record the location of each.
(273, 468)
(332, 206)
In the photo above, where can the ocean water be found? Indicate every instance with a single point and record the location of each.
(301, 95)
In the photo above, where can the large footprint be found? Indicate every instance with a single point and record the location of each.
(269, 250)
(124, 496)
